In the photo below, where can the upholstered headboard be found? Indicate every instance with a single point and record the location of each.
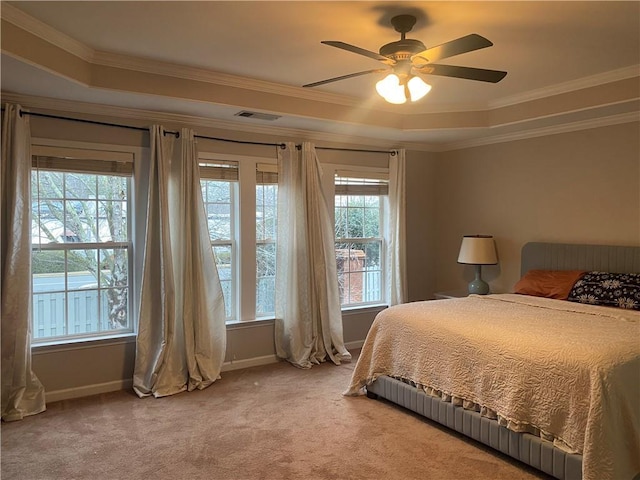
(564, 256)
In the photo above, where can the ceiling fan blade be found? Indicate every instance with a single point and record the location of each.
(465, 44)
(344, 77)
(480, 74)
(360, 51)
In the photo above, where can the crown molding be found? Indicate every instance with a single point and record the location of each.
(566, 87)
(628, 117)
(49, 34)
(149, 117)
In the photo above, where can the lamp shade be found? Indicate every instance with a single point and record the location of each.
(478, 250)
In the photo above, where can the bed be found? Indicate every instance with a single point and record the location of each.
(552, 383)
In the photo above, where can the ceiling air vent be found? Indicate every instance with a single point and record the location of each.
(257, 115)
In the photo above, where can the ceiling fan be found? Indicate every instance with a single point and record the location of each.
(407, 57)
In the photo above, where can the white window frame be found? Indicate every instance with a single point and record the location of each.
(98, 151)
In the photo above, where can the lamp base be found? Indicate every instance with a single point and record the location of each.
(478, 286)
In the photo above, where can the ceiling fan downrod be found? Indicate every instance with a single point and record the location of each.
(404, 48)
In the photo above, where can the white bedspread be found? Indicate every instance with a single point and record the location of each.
(570, 370)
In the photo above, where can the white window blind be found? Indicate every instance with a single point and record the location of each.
(354, 183)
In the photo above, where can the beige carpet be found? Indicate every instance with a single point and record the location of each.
(272, 422)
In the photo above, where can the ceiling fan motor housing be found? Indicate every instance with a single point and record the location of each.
(402, 49)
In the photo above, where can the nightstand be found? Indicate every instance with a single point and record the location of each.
(451, 294)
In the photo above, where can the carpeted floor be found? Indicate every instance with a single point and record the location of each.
(272, 422)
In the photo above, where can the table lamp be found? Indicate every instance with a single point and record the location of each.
(478, 250)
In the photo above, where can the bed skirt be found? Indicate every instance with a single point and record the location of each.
(524, 447)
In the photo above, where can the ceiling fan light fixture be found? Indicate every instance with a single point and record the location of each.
(393, 91)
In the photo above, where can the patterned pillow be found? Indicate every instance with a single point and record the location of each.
(608, 289)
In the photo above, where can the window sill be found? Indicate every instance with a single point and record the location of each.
(364, 308)
(234, 324)
(81, 343)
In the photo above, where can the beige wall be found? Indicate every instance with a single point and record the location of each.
(421, 223)
(579, 187)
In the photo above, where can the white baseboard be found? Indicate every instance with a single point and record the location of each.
(354, 345)
(86, 390)
(249, 362)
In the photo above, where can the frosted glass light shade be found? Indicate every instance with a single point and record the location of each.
(390, 89)
(417, 88)
(478, 250)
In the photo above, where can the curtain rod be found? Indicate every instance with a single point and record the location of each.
(177, 134)
(391, 152)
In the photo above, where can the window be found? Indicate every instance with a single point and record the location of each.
(266, 232)
(81, 254)
(219, 180)
(359, 224)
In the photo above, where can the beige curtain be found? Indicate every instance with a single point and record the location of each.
(22, 392)
(308, 327)
(396, 230)
(181, 327)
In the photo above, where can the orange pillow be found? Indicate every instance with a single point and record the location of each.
(548, 283)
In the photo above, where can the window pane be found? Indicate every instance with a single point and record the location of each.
(112, 221)
(112, 188)
(223, 257)
(49, 314)
(114, 306)
(266, 232)
(266, 212)
(219, 221)
(217, 192)
(350, 262)
(46, 221)
(79, 221)
(48, 271)
(355, 222)
(80, 186)
(341, 220)
(371, 222)
(217, 202)
(82, 308)
(266, 278)
(113, 268)
(46, 185)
